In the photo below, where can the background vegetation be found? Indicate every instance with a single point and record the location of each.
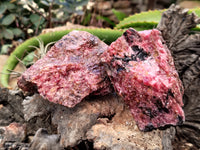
(21, 19)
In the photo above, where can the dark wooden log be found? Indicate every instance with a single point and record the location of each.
(104, 121)
(11, 109)
(184, 44)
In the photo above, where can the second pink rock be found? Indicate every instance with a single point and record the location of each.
(142, 71)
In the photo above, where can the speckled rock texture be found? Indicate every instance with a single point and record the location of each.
(70, 71)
(142, 71)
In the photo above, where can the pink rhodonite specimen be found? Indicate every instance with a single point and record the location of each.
(142, 71)
(70, 70)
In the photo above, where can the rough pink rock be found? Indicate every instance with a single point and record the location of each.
(70, 71)
(142, 71)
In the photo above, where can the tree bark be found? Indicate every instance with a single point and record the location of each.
(176, 25)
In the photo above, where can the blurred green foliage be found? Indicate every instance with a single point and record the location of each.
(118, 14)
(21, 19)
(9, 15)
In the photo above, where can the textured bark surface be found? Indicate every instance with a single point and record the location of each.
(43, 141)
(105, 121)
(15, 132)
(10, 106)
(184, 44)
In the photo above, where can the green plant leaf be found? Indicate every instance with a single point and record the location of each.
(10, 6)
(142, 18)
(1, 35)
(2, 9)
(25, 20)
(87, 19)
(81, 3)
(35, 19)
(8, 34)
(28, 59)
(106, 19)
(120, 15)
(17, 32)
(5, 48)
(45, 3)
(8, 19)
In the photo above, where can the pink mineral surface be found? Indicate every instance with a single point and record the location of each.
(70, 71)
(142, 71)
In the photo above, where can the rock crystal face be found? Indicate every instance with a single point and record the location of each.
(70, 70)
(142, 71)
